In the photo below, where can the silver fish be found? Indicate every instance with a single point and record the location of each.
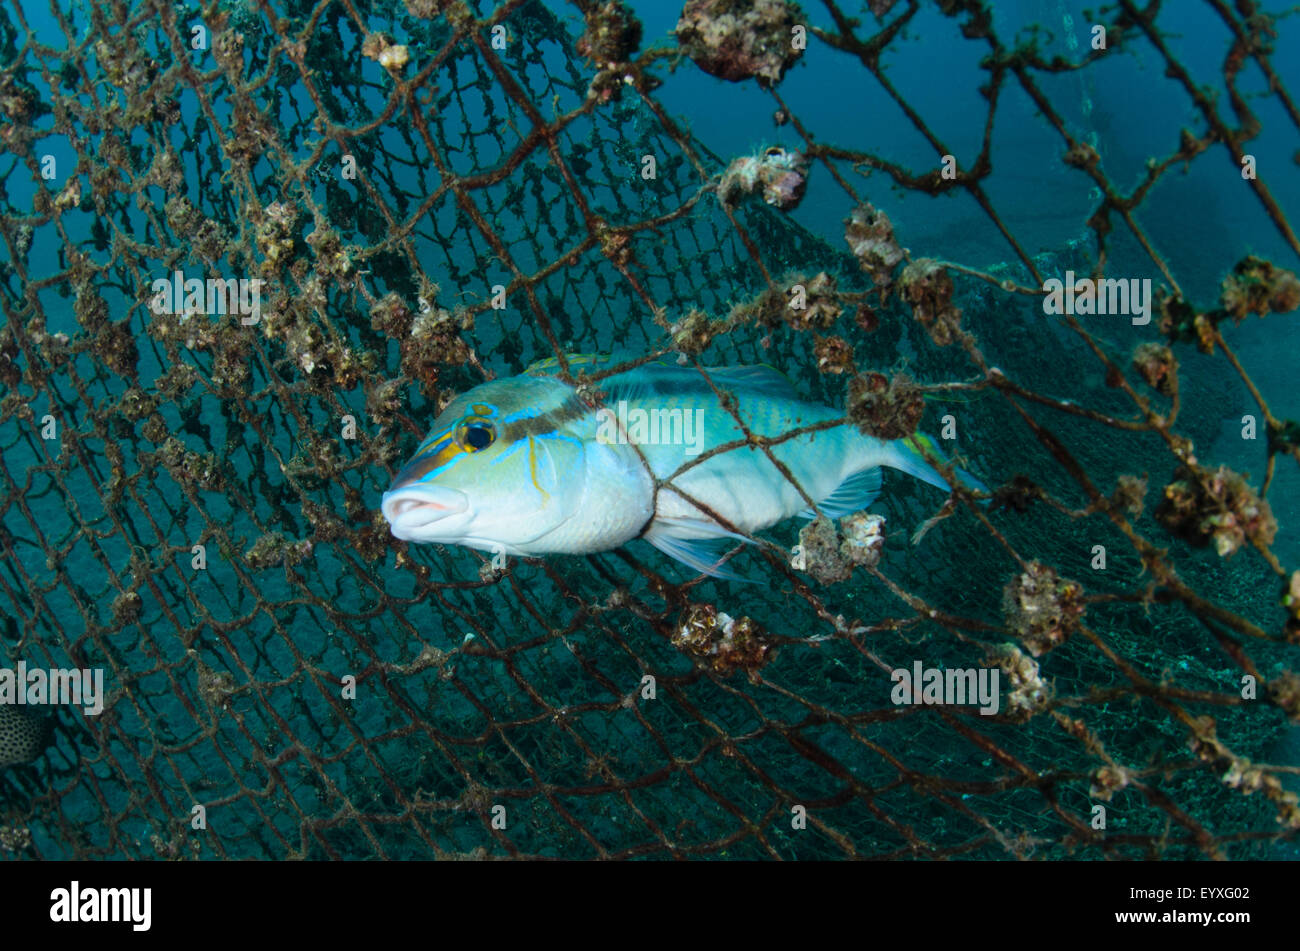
(524, 466)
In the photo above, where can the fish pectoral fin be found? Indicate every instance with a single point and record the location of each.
(703, 554)
(852, 495)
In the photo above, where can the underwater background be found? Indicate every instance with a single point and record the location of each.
(286, 680)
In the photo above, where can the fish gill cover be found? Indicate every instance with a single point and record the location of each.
(411, 198)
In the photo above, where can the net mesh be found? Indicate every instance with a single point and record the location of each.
(190, 502)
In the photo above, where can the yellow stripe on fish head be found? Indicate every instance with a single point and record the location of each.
(471, 433)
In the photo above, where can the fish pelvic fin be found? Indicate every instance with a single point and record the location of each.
(678, 538)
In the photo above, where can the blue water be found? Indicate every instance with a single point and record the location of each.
(482, 725)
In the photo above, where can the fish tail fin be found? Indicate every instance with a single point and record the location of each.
(906, 455)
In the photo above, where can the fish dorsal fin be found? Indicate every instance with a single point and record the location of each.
(665, 377)
(758, 378)
(550, 366)
(660, 379)
(852, 495)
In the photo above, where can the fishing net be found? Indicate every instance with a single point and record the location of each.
(435, 193)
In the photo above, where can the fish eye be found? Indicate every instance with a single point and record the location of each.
(476, 436)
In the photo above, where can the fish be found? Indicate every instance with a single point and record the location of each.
(24, 735)
(529, 465)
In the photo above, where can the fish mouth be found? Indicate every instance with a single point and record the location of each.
(411, 509)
